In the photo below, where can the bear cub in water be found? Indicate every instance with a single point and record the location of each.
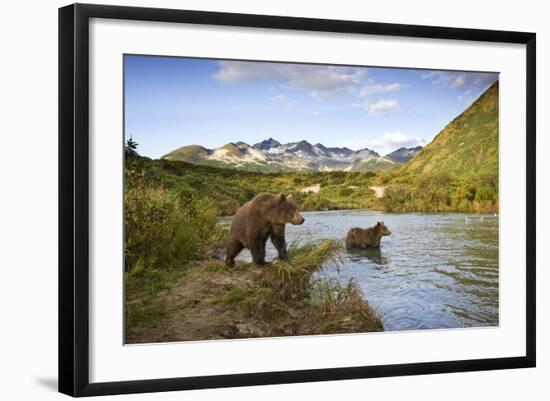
(366, 237)
(258, 219)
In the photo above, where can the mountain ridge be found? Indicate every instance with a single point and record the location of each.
(466, 146)
(270, 155)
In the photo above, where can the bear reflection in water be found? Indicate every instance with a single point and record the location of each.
(374, 255)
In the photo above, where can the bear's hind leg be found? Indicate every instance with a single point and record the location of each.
(234, 247)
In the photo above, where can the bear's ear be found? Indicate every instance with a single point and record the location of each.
(282, 197)
(290, 196)
(378, 224)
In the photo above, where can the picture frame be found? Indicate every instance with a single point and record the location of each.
(75, 191)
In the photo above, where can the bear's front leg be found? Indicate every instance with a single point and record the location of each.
(278, 240)
(258, 252)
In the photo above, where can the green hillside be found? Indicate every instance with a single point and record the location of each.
(458, 170)
(467, 146)
(375, 165)
(188, 154)
(227, 189)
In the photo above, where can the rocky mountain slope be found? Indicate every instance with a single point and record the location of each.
(403, 155)
(272, 156)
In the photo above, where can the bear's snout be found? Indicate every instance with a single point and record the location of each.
(298, 220)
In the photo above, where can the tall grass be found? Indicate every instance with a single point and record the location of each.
(163, 230)
(442, 193)
(291, 278)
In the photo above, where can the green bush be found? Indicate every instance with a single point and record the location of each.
(164, 231)
(346, 191)
(443, 193)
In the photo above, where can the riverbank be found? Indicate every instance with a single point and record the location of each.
(207, 301)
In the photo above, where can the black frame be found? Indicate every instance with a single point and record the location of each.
(74, 191)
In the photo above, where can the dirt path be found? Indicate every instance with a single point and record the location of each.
(196, 310)
(378, 191)
(313, 189)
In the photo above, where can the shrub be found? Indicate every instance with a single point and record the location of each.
(346, 191)
(396, 197)
(163, 231)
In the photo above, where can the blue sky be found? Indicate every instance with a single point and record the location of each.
(172, 102)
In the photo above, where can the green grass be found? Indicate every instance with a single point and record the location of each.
(467, 146)
(141, 295)
(273, 287)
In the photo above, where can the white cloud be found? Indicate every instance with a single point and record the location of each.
(390, 141)
(323, 93)
(324, 78)
(458, 79)
(232, 71)
(470, 84)
(394, 140)
(381, 107)
(441, 79)
(467, 96)
(372, 88)
(279, 98)
(322, 81)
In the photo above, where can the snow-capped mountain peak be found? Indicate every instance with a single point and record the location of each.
(272, 155)
(267, 144)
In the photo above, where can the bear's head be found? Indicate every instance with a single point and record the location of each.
(287, 211)
(382, 228)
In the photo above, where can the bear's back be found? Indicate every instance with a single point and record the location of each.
(263, 200)
(250, 218)
(358, 236)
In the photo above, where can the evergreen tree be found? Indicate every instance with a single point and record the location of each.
(130, 146)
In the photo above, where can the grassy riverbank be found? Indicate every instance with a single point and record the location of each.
(206, 300)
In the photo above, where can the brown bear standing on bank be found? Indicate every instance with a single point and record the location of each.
(366, 237)
(263, 217)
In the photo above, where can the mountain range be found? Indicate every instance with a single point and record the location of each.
(271, 155)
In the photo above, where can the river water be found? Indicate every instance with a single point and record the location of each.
(434, 271)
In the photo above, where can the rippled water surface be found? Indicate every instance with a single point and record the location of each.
(434, 271)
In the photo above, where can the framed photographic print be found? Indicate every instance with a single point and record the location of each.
(250, 199)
